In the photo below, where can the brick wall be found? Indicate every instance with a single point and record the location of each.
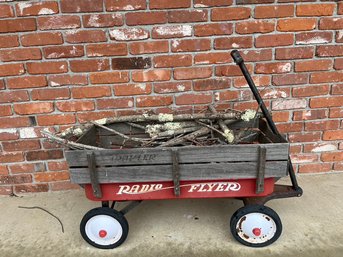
(69, 61)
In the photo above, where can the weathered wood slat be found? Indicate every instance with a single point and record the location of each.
(187, 172)
(89, 137)
(145, 156)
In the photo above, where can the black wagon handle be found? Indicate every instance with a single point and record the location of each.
(240, 62)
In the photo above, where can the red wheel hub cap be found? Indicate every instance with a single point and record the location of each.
(256, 231)
(102, 233)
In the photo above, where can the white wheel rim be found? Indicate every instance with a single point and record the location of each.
(256, 228)
(103, 230)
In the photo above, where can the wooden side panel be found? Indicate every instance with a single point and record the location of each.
(187, 172)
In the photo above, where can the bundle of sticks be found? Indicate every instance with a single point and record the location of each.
(165, 130)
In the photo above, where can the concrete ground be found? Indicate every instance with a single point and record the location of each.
(312, 225)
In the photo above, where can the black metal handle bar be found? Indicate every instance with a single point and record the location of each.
(240, 62)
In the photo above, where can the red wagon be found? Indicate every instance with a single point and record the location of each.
(243, 171)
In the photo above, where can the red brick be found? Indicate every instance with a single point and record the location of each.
(26, 82)
(212, 58)
(8, 134)
(62, 80)
(27, 168)
(310, 168)
(20, 54)
(310, 38)
(56, 52)
(213, 29)
(256, 26)
(230, 13)
(63, 186)
(35, 188)
(211, 84)
(310, 90)
(102, 20)
(337, 89)
(145, 18)
(226, 96)
(44, 155)
(6, 11)
(75, 106)
(325, 77)
(304, 137)
(107, 50)
(190, 45)
(157, 4)
(310, 115)
(323, 102)
(131, 63)
(210, 3)
(41, 39)
(313, 65)
(315, 9)
(289, 104)
(290, 79)
(58, 166)
(36, 8)
(274, 40)
(11, 157)
(87, 116)
(57, 119)
(91, 91)
(338, 65)
(115, 103)
(3, 170)
(296, 24)
(258, 80)
(128, 34)
(272, 68)
(32, 108)
(230, 70)
(13, 96)
(125, 5)
(233, 42)
(71, 6)
(14, 122)
(324, 126)
(46, 67)
(274, 11)
(165, 61)
(2, 84)
(172, 87)
(329, 51)
(294, 53)
(50, 94)
(192, 73)
(11, 69)
(259, 1)
(185, 16)
(51, 176)
(85, 36)
(149, 47)
(320, 147)
(275, 93)
(5, 110)
(59, 22)
(190, 99)
(331, 23)
(151, 75)
(332, 157)
(333, 134)
(150, 101)
(290, 127)
(17, 25)
(23, 145)
(89, 65)
(338, 166)
(6, 190)
(172, 31)
(281, 116)
(15, 179)
(8, 41)
(109, 77)
(132, 89)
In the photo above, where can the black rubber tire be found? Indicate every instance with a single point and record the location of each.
(104, 211)
(251, 209)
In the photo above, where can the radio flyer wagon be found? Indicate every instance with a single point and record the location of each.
(243, 171)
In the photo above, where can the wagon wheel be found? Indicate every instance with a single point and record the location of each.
(255, 225)
(104, 228)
